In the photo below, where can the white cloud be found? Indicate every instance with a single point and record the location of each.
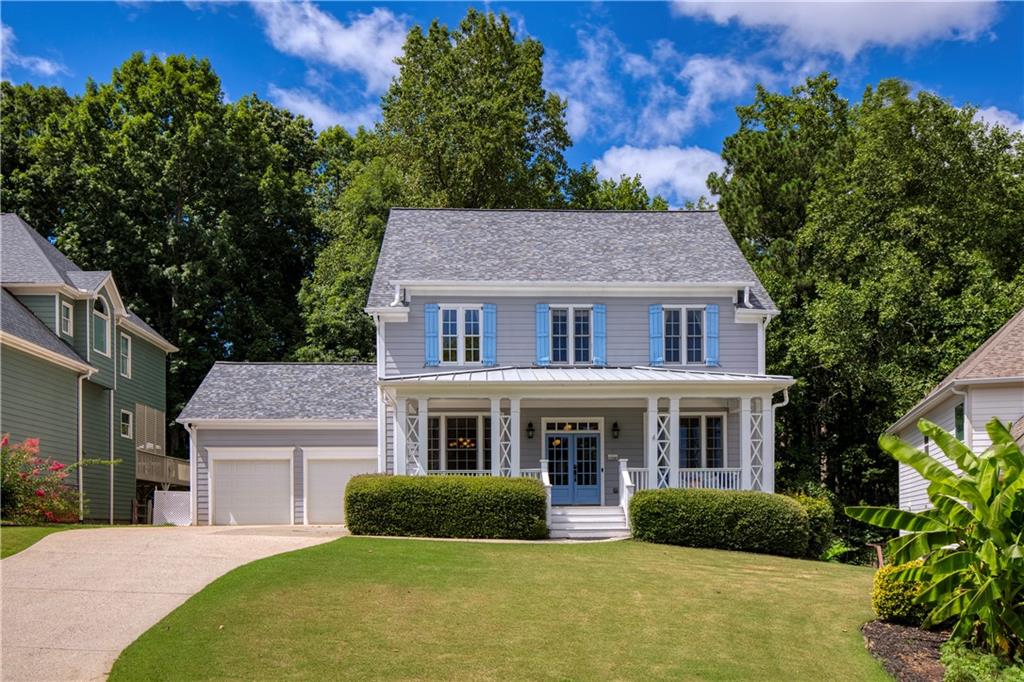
(593, 94)
(997, 116)
(669, 114)
(678, 173)
(367, 44)
(10, 57)
(848, 27)
(308, 104)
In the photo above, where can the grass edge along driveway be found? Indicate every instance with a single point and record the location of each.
(14, 539)
(360, 608)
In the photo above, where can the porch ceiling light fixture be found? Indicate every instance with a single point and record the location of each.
(529, 430)
(615, 429)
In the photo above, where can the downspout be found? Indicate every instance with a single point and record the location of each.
(111, 392)
(746, 297)
(81, 492)
(193, 471)
(785, 401)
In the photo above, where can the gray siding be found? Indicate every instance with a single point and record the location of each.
(296, 438)
(627, 332)
(39, 399)
(42, 306)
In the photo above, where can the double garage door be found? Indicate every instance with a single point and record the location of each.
(270, 487)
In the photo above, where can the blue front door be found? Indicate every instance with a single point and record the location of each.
(574, 466)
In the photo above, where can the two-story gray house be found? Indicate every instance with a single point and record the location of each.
(598, 351)
(82, 373)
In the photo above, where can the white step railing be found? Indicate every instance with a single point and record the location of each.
(545, 480)
(530, 473)
(640, 476)
(626, 486)
(716, 479)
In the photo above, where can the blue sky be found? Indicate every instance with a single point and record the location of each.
(651, 87)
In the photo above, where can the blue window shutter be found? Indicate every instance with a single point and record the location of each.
(490, 356)
(656, 328)
(711, 330)
(430, 316)
(600, 335)
(543, 334)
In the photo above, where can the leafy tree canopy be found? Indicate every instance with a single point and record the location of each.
(890, 235)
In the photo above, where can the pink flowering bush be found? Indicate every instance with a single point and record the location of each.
(34, 489)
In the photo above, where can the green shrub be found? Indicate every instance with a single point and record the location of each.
(893, 600)
(968, 665)
(720, 519)
(820, 519)
(446, 506)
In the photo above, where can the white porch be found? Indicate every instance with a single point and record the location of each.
(641, 417)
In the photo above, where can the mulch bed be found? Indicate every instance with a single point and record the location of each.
(909, 654)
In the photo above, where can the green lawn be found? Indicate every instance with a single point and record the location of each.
(362, 608)
(13, 539)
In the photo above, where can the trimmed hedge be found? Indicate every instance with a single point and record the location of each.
(446, 506)
(893, 601)
(821, 518)
(720, 519)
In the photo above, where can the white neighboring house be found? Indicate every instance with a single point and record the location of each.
(989, 383)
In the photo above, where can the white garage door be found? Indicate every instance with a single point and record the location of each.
(252, 491)
(327, 479)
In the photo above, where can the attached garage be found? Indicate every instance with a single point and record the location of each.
(327, 472)
(276, 443)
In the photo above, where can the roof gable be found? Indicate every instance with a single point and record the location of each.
(627, 247)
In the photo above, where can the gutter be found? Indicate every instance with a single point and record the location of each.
(952, 387)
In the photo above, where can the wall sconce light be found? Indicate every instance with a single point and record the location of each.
(615, 430)
(529, 430)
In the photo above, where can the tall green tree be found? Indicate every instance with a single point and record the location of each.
(27, 114)
(889, 233)
(201, 208)
(469, 117)
(584, 189)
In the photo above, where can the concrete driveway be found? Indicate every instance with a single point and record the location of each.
(75, 599)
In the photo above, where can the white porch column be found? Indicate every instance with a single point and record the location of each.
(421, 435)
(401, 408)
(514, 429)
(673, 441)
(651, 442)
(768, 448)
(495, 436)
(744, 443)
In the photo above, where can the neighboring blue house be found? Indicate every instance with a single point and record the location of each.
(599, 351)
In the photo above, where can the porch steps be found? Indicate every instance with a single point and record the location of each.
(589, 523)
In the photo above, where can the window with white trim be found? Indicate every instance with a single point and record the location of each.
(958, 422)
(67, 318)
(127, 424)
(702, 441)
(572, 341)
(459, 443)
(101, 327)
(684, 334)
(460, 331)
(125, 355)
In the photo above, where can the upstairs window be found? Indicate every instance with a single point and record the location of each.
(571, 335)
(127, 424)
(958, 422)
(67, 319)
(101, 328)
(684, 335)
(125, 355)
(460, 334)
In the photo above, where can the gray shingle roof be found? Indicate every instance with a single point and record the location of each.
(559, 246)
(306, 391)
(17, 320)
(1000, 356)
(27, 257)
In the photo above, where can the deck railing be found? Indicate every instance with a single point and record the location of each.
(161, 468)
(640, 476)
(530, 473)
(465, 472)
